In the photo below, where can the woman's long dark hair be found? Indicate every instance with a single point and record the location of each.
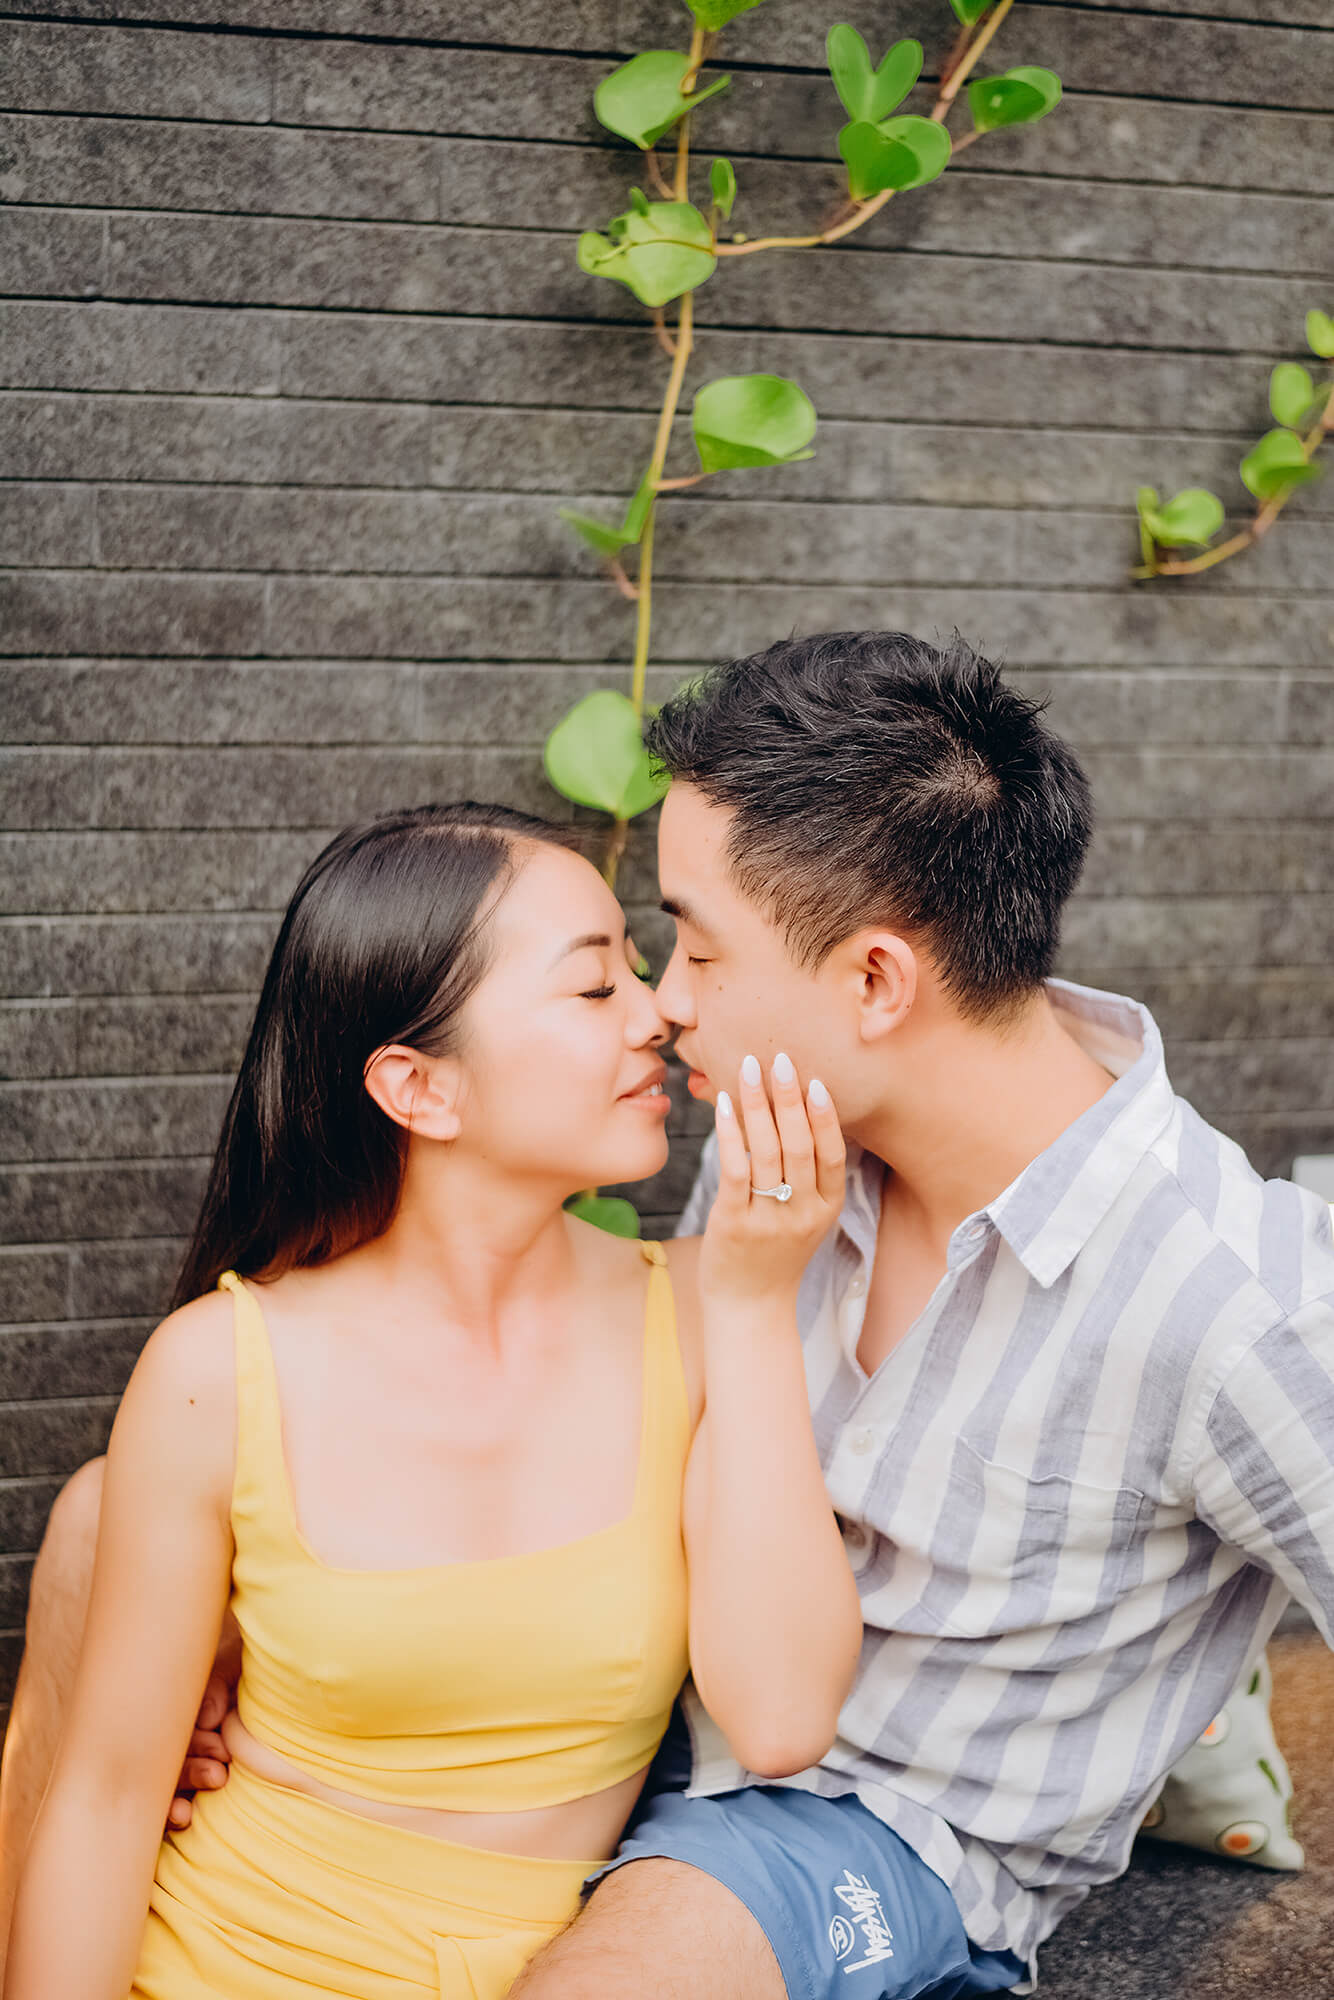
(384, 941)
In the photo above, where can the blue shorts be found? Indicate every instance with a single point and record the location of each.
(848, 1907)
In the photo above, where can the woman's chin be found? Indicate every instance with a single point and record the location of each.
(626, 1165)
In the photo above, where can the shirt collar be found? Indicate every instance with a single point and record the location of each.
(1049, 1212)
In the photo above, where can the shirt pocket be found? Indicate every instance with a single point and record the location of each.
(1033, 1551)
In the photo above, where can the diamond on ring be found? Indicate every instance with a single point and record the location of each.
(781, 1193)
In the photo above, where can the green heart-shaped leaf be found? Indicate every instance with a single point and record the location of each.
(1320, 334)
(643, 99)
(900, 153)
(744, 420)
(610, 541)
(605, 1211)
(969, 11)
(1016, 98)
(596, 757)
(722, 186)
(870, 95)
(715, 14)
(1291, 392)
(1189, 518)
(1276, 463)
(659, 249)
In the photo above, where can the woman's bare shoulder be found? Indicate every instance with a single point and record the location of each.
(182, 1392)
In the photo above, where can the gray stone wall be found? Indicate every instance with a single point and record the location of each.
(297, 366)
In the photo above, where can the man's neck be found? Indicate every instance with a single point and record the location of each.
(973, 1109)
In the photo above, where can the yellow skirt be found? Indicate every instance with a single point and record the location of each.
(270, 1895)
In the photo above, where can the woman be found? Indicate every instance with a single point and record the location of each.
(441, 1449)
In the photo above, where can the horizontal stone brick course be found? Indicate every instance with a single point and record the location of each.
(90, 612)
(114, 1281)
(220, 701)
(37, 1039)
(146, 163)
(41, 525)
(185, 349)
(941, 464)
(24, 1506)
(119, 872)
(51, 1438)
(224, 786)
(69, 1359)
(160, 1117)
(733, 540)
(34, 1285)
(388, 618)
(257, 439)
(136, 954)
(390, 267)
(163, 1035)
(58, 1203)
(63, 67)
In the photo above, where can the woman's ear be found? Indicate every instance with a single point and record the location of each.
(888, 981)
(418, 1092)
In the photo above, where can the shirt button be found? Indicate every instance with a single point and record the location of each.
(974, 1230)
(856, 1288)
(862, 1442)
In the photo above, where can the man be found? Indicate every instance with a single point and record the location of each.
(1071, 1363)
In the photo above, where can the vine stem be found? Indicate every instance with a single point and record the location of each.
(940, 111)
(680, 351)
(1260, 526)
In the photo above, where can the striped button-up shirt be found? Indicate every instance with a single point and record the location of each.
(1076, 1495)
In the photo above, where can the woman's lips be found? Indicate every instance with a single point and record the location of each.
(698, 1084)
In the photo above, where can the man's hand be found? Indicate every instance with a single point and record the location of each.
(206, 1760)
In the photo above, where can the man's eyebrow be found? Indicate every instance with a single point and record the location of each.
(683, 914)
(594, 938)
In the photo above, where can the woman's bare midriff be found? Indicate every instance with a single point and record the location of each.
(586, 1829)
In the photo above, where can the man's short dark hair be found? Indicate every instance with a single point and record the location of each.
(876, 779)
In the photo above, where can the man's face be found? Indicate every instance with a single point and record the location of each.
(730, 985)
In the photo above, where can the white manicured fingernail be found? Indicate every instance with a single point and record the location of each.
(819, 1095)
(724, 1105)
(783, 1070)
(750, 1071)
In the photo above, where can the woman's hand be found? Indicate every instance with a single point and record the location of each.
(756, 1245)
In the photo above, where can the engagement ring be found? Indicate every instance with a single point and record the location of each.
(781, 1193)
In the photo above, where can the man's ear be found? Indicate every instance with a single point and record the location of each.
(418, 1092)
(887, 965)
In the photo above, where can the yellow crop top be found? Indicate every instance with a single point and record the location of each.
(488, 1686)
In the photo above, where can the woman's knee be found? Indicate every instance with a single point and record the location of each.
(64, 1567)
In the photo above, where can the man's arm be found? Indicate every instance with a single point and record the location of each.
(1264, 1474)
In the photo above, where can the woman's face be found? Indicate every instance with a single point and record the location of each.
(562, 1075)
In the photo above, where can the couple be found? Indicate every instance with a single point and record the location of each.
(1056, 1393)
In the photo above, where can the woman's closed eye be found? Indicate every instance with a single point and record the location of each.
(599, 993)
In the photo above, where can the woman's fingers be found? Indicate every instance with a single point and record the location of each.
(794, 1129)
(766, 1152)
(179, 1813)
(733, 1161)
(830, 1150)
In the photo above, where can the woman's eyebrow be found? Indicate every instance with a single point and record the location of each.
(593, 938)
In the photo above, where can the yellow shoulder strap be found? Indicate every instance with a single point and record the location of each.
(259, 1434)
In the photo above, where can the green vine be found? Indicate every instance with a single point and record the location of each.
(1272, 471)
(664, 249)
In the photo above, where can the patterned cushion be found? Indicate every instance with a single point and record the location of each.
(1230, 1791)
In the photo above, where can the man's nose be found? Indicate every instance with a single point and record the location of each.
(674, 996)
